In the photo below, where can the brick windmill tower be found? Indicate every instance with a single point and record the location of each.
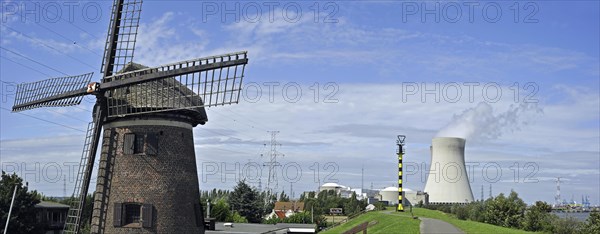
(147, 177)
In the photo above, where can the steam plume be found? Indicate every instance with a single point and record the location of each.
(480, 122)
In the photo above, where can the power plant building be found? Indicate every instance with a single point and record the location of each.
(411, 197)
(448, 180)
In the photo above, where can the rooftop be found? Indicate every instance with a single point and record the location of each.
(289, 206)
(54, 205)
(264, 228)
(167, 93)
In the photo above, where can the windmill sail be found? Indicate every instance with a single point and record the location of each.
(122, 34)
(73, 223)
(55, 92)
(197, 83)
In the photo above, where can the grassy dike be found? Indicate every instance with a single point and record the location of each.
(392, 222)
(466, 226)
(387, 222)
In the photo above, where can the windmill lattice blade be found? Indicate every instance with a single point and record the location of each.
(86, 164)
(55, 92)
(122, 34)
(203, 82)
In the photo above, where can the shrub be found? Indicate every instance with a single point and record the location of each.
(593, 223)
(567, 225)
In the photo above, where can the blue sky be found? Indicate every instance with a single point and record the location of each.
(366, 57)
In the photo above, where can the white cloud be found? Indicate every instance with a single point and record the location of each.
(159, 42)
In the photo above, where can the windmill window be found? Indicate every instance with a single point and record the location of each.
(140, 143)
(132, 213)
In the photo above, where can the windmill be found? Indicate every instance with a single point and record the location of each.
(147, 176)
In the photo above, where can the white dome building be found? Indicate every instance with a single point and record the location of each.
(389, 194)
(330, 186)
(341, 190)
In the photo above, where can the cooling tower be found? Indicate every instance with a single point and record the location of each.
(447, 181)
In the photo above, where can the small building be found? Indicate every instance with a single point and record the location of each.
(362, 193)
(372, 200)
(51, 216)
(283, 210)
(415, 197)
(411, 197)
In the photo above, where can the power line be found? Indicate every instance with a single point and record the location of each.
(60, 35)
(227, 150)
(48, 121)
(238, 132)
(28, 67)
(74, 25)
(41, 42)
(30, 59)
(251, 126)
(250, 120)
(231, 136)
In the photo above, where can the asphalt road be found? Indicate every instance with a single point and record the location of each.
(437, 226)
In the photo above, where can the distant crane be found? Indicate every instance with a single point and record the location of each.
(585, 201)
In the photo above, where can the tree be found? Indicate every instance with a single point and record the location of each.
(220, 210)
(379, 206)
(283, 197)
(516, 210)
(273, 220)
(352, 205)
(505, 211)
(237, 218)
(592, 224)
(247, 202)
(268, 201)
(476, 211)
(212, 196)
(567, 225)
(300, 217)
(537, 218)
(23, 215)
(461, 211)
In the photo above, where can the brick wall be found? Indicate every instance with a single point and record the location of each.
(168, 181)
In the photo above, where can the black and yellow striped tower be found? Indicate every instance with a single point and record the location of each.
(400, 152)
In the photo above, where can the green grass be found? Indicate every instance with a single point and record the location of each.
(387, 223)
(392, 222)
(467, 226)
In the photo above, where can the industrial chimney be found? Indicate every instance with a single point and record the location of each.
(448, 180)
